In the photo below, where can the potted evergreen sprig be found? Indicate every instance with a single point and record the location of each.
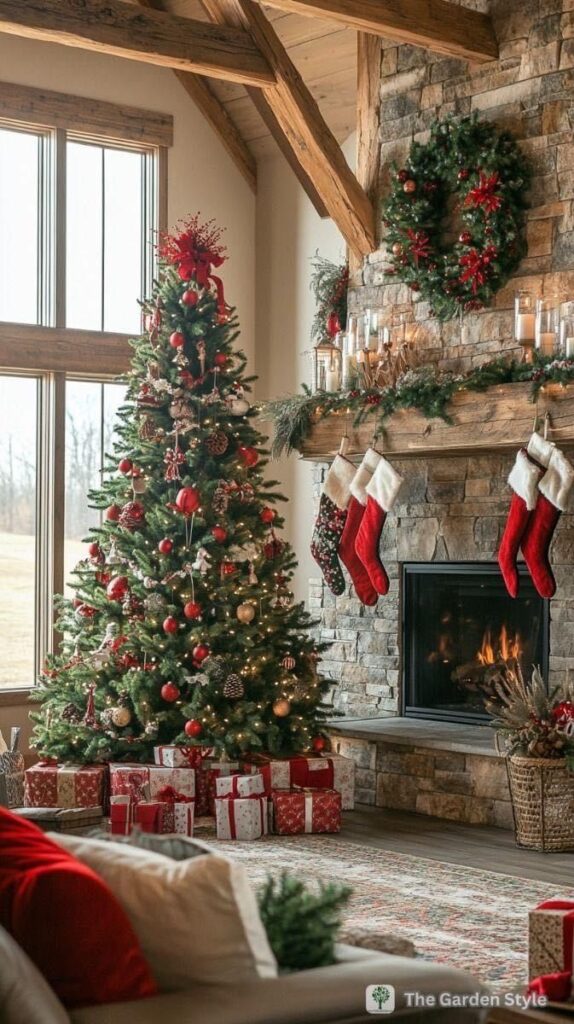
(536, 725)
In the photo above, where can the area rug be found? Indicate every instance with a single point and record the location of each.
(472, 919)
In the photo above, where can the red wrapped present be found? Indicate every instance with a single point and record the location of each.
(241, 817)
(64, 785)
(551, 950)
(288, 772)
(121, 815)
(171, 756)
(151, 817)
(305, 810)
(133, 778)
(179, 810)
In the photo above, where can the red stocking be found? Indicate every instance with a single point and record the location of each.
(523, 479)
(555, 488)
(356, 510)
(382, 493)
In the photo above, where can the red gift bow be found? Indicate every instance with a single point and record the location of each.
(194, 251)
(558, 985)
(230, 799)
(485, 193)
(169, 795)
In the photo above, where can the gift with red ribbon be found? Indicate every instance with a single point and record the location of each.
(151, 817)
(298, 811)
(180, 808)
(240, 785)
(551, 950)
(49, 784)
(241, 817)
(172, 756)
(133, 778)
(121, 815)
(299, 770)
(207, 776)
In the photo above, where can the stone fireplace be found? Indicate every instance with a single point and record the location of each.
(459, 630)
(453, 506)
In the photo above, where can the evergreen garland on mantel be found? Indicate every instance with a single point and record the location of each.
(424, 389)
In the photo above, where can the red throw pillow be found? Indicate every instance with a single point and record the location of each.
(67, 920)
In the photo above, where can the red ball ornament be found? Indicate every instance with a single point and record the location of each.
(187, 500)
(169, 692)
(192, 610)
(125, 466)
(113, 513)
(465, 238)
(228, 568)
(219, 534)
(463, 174)
(318, 743)
(220, 359)
(190, 297)
(95, 551)
(248, 456)
(272, 549)
(117, 588)
(165, 546)
(200, 652)
(85, 611)
(170, 625)
(402, 175)
(176, 339)
(193, 728)
(267, 515)
(415, 286)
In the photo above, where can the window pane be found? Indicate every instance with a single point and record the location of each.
(123, 241)
(19, 161)
(84, 184)
(104, 238)
(91, 410)
(17, 530)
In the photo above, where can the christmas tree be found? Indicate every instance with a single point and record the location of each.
(183, 628)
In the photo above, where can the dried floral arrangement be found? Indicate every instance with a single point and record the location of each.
(534, 721)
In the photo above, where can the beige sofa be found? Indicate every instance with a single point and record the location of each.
(329, 995)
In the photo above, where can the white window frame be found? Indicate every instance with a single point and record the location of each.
(50, 351)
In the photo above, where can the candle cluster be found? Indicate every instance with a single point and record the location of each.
(543, 325)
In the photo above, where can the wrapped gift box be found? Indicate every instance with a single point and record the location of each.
(210, 772)
(131, 779)
(121, 814)
(329, 772)
(240, 785)
(171, 756)
(154, 816)
(179, 811)
(65, 785)
(63, 819)
(305, 810)
(241, 817)
(551, 938)
(11, 772)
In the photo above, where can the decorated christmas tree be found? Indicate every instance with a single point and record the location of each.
(183, 627)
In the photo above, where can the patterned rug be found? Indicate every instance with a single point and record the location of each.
(472, 919)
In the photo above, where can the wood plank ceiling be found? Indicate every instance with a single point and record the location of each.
(325, 55)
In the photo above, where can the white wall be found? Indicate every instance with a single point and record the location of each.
(201, 176)
(289, 232)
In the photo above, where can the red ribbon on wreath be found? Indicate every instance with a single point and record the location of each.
(194, 251)
(485, 194)
(476, 266)
(420, 245)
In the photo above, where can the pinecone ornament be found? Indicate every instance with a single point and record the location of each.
(233, 688)
(147, 429)
(217, 443)
(220, 500)
(71, 713)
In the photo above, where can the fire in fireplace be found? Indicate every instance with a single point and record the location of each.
(460, 630)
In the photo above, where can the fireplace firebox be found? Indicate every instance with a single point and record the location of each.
(459, 628)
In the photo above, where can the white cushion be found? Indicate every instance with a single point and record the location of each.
(25, 997)
(196, 920)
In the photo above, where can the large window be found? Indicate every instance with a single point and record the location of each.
(82, 195)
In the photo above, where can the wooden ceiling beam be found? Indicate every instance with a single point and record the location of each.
(298, 122)
(216, 115)
(435, 24)
(150, 36)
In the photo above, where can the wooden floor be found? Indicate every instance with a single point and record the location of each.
(492, 849)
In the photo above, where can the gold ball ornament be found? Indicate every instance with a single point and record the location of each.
(121, 717)
(281, 708)
(245, 612)
(186, 595)
(397, 249)
(409, 186)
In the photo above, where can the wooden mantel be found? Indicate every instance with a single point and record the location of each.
(498, 419)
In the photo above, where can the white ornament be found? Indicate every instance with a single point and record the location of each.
(202, 561)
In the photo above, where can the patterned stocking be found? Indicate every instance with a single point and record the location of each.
(331, 521)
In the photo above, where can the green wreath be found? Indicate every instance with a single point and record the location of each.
(487, 177)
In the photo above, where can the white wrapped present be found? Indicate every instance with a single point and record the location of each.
(241, 817)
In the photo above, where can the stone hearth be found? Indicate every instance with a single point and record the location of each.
(446, 770)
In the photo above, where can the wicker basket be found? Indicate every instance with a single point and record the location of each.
(542, 791)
